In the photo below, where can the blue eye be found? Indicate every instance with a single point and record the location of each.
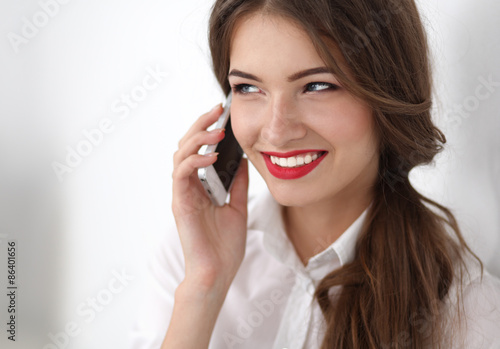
(245, 88)
(320, 86)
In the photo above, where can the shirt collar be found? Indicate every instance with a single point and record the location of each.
(265, 215)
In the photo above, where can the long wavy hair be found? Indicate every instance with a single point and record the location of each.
(410, 249)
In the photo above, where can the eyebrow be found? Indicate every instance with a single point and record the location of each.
(299, 75)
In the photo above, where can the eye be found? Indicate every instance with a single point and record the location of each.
(320, 86)
(245, 88)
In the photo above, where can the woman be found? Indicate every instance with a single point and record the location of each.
(347, 254)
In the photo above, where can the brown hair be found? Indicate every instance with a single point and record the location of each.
(406, 258)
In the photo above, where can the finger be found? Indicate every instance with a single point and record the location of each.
(184, 196)
(192, 145)
(202, 123)
(190, 165)
(239, 190)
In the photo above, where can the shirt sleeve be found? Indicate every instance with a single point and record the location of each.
(482, 313)
(165, 272)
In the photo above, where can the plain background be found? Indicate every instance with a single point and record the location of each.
(107, 215)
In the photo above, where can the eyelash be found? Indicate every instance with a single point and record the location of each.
(239, 88)
(330, 87)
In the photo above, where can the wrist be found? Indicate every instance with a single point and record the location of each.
(196, 309)
(209, 279)
(202, 290)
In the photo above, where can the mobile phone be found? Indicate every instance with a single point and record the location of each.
(217, 179)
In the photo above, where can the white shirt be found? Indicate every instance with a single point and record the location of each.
(270, 303)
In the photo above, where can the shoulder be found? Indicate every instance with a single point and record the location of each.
(165, 270)
(475, 305)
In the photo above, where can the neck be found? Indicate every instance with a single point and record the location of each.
(313, 228)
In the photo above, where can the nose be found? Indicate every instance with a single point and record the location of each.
(283, 123)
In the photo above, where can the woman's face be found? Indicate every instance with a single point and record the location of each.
(311, 140)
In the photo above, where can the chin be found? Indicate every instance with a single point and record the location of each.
(287, 196)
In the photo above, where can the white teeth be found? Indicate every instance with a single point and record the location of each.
(295, 161)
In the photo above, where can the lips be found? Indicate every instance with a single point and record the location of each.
(294, 164)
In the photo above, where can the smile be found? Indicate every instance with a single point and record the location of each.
(293, 165)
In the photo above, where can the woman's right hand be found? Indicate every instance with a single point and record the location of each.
(213, 238)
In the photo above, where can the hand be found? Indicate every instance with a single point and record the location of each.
(213, 238)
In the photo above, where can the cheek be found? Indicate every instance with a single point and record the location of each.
(348, 124)
(244, 130)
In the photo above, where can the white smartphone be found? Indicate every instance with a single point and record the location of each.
(217, 179)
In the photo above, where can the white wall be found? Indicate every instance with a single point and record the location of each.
(466, 47)
(74, 236)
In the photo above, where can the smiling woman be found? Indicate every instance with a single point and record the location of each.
(331, 104)
(286, 107)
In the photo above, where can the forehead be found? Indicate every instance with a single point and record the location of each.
(271, 42)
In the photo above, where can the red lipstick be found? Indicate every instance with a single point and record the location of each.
(292, 172)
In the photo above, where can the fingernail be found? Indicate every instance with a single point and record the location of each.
(218, 130)
(212, 154)
(217, 106)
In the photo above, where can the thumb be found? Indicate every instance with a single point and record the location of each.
(239, 190)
